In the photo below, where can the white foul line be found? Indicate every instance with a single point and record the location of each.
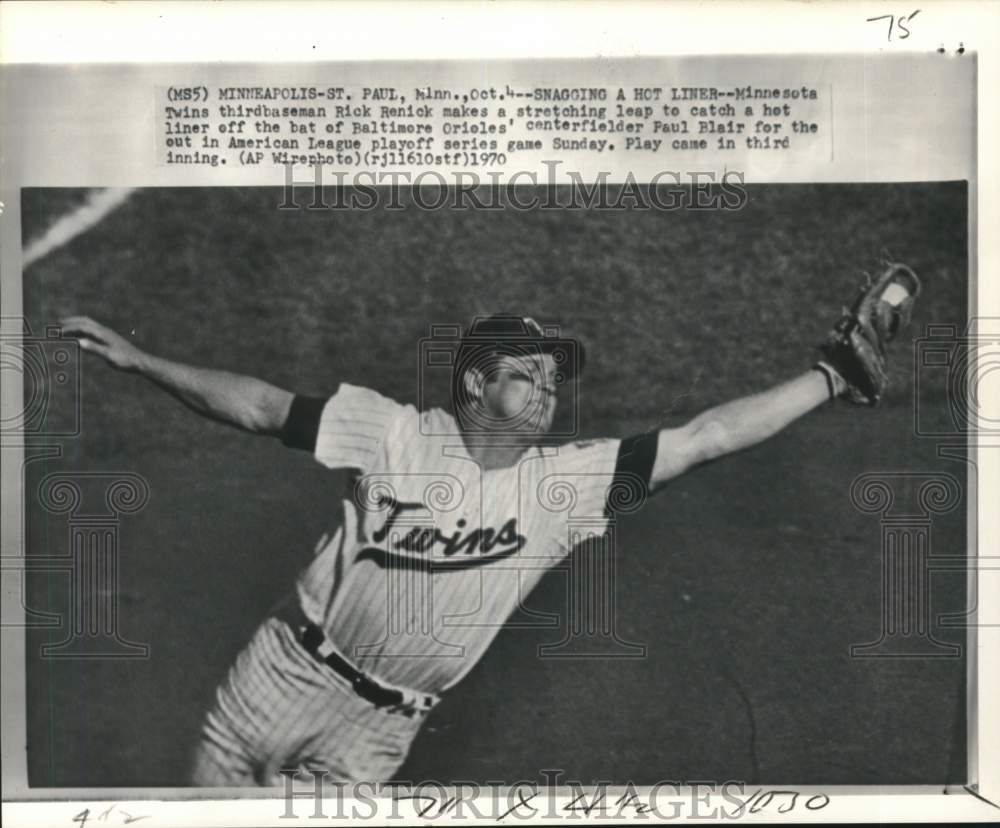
(96, 207)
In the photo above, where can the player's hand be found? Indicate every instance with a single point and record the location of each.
(101, 340)
(855, 347)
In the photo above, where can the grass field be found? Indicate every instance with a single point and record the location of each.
(747, 579)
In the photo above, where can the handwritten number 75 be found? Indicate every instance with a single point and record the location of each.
(897, 23)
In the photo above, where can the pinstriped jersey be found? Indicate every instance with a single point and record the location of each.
(434, 553)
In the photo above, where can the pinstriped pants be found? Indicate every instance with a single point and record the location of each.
(279, 708)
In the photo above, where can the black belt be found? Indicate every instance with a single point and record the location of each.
(312, 639)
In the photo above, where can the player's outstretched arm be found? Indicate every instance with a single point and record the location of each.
(853, 366)
(738, 424)
(234, 399)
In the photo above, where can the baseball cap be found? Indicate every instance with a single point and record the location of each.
(519, 335)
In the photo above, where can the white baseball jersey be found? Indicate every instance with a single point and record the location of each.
(434, 553)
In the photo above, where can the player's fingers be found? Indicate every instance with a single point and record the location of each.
(76, 324)
(84, 326)
(75, 321)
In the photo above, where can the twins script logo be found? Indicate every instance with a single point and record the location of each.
(403, 544)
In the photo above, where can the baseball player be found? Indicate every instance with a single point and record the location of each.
(450, 519)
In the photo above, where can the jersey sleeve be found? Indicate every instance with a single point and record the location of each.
(343, 431)
(597, 480)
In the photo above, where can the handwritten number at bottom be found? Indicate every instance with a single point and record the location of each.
(126, 817)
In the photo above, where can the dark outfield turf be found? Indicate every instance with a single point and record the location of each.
(748, 580)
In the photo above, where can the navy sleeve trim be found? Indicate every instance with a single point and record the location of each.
(633, 472)
(302, 426)
(636, 455)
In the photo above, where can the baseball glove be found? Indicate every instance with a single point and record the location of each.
(855, 347)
